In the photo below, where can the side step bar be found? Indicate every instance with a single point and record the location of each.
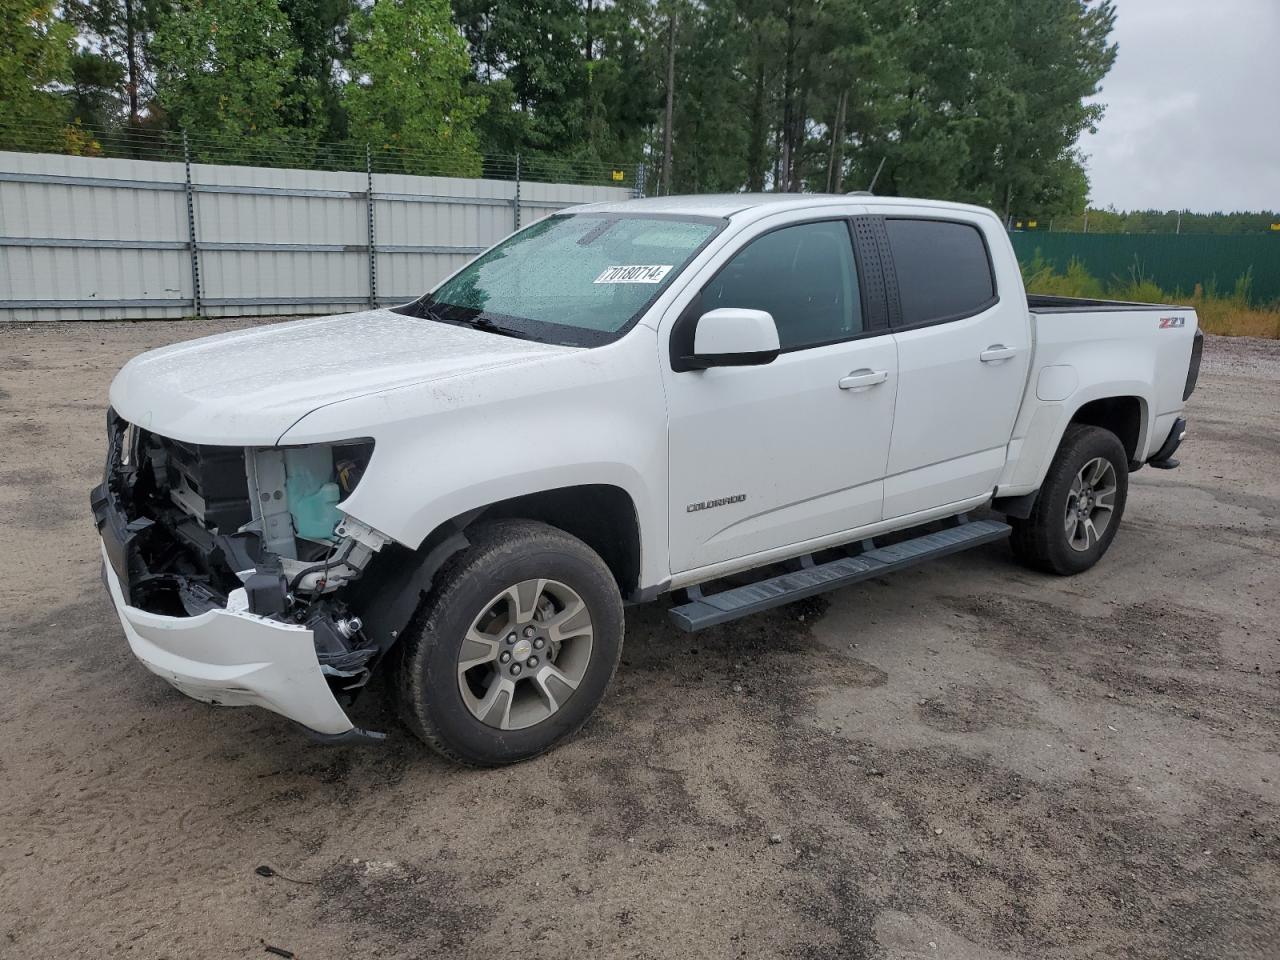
(705, 610)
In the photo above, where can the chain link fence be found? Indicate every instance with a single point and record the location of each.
(144, 143)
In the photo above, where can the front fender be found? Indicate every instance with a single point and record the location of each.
(442, 449)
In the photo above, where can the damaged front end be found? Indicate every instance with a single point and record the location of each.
(193, 533)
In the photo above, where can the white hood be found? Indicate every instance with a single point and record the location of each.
(249, 386)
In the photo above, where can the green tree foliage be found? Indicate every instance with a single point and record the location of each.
(858, 75)
(96, 84)
(227, 73)
(710, 146)
(35, 58)
(110, 76)
(976, 100)
(408, 97)
(113, 74)
(320, 30)
(536, 64)
(1167, 221)
(620, 102)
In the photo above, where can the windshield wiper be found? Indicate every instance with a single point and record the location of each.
(484, 323)
(426, 313)
(477, 322)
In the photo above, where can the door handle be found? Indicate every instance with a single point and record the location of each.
(862, 379)
(997, 351)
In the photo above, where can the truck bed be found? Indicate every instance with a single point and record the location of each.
(1086, 350)
(1043, 303)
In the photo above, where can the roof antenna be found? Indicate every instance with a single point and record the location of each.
(869, 192)
(872, 188)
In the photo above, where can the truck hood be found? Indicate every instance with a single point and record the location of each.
(248, 387)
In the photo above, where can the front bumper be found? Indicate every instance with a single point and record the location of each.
(233, 658)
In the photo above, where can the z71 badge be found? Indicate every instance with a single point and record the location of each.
(1169, 323)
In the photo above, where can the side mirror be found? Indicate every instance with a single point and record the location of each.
(733, 337)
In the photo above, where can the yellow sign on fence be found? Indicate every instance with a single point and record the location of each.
(619, 175)
(1276, 227)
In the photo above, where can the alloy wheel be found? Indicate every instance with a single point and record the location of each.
(525, 654)
(1090, 504)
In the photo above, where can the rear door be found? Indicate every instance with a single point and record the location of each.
(963, 335)
(763, 457)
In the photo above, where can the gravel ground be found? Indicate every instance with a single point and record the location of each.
(965, 760)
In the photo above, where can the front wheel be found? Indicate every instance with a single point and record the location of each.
(520, 638)
(1078, 511)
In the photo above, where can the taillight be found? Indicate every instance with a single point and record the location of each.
(1193, 371)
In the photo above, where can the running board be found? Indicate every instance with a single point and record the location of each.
(705, 610)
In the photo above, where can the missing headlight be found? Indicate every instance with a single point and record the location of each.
(296, 492)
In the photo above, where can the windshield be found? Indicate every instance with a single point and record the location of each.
(578, 279)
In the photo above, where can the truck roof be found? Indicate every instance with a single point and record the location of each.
(735, 205)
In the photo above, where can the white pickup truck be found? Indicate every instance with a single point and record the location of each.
(617, 402)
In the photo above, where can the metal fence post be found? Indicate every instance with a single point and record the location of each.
(191, 228)
(516, 200)
(638, 190)
(373, 252)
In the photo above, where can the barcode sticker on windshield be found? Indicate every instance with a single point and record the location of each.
(653, 273)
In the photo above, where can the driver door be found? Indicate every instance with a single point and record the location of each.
(770, 456)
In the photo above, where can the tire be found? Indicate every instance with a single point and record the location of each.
(1048, 540)
(534, 582)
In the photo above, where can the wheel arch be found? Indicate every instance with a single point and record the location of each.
(1123, 415)
(1124, 412)
(1041, 539)
(601, 515)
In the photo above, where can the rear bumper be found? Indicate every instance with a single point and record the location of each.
(232, 658)
(1163, 458)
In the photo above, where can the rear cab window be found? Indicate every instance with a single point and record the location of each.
(943, 268)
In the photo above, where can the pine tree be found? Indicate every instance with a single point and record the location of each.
(111, 79)
(321, 31)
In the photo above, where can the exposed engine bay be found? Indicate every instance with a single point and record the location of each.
(199, 527)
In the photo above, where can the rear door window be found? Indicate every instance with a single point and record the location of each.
(943, 269)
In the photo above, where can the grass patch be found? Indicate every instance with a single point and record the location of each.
(1228, 314)
(1225, 318)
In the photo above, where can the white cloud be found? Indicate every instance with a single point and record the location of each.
(1193, 108)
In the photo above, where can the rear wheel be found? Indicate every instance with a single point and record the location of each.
(1078, 511)
(518, 642)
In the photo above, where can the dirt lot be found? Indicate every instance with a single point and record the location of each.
(963, 761)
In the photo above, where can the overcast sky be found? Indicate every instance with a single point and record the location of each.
(1193, 108)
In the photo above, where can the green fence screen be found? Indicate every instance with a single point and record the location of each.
(1172, 261)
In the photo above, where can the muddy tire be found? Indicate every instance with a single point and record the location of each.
(1078, 511)
(515, 646)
